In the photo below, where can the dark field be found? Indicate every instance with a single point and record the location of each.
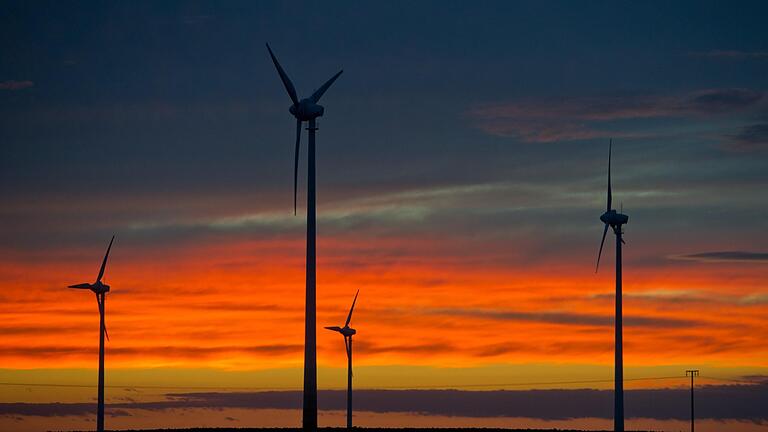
(342, 429)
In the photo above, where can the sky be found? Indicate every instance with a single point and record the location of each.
(461, 175)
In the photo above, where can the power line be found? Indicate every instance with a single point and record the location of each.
(531, 383)
(728, 380)
(142, 386)
(446, 386)
(431, 386)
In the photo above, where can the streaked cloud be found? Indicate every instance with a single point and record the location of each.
(580, 118)
(755, 299)
(751, 137)
(732, 54)
(567, 318)
(756, 378)
(168, 351)
(429, 348)
(724, 256)
(664, 296)
(16, 85)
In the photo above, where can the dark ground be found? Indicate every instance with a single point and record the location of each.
(342, 429)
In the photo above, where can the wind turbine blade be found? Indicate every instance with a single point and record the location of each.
(602, 242)
(334, 328)
(349, 317)
(101, 311)
(319, 92)
(81, 286)
(610, 198)
(296, 164)
(104, 263)
(284, 77)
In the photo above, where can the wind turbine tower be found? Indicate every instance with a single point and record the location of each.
(615, 220)
(348, 332)
(307, 110)
(100, 289)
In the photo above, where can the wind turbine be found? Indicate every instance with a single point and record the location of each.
(307, 110)
(348, 332)
(100, 289)
(613, 219)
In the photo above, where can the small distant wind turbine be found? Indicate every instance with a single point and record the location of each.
(348, 332)
(613, 219)
(100, 289)
(307, 110)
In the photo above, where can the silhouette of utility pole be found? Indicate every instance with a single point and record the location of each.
(692, 373)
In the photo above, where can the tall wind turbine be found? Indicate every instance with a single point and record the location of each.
(347, 332)
(613, 219)
(100, 289)
(307, 110)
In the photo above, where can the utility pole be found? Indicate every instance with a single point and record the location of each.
(692, 373)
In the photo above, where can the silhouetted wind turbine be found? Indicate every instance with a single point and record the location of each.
(615, 220)
(347, 332)
(100, 290)
(307, 110)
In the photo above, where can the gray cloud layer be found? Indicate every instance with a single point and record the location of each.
(727, 402)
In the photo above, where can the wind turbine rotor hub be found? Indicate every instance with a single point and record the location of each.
(306, 110)
(614, 218)
(98, 287)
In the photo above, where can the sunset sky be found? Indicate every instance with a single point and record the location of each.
(461, 174)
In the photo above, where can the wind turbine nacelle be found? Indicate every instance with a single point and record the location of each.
(306, 110)
(347, 331)
(99, 287)
(613, 218)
